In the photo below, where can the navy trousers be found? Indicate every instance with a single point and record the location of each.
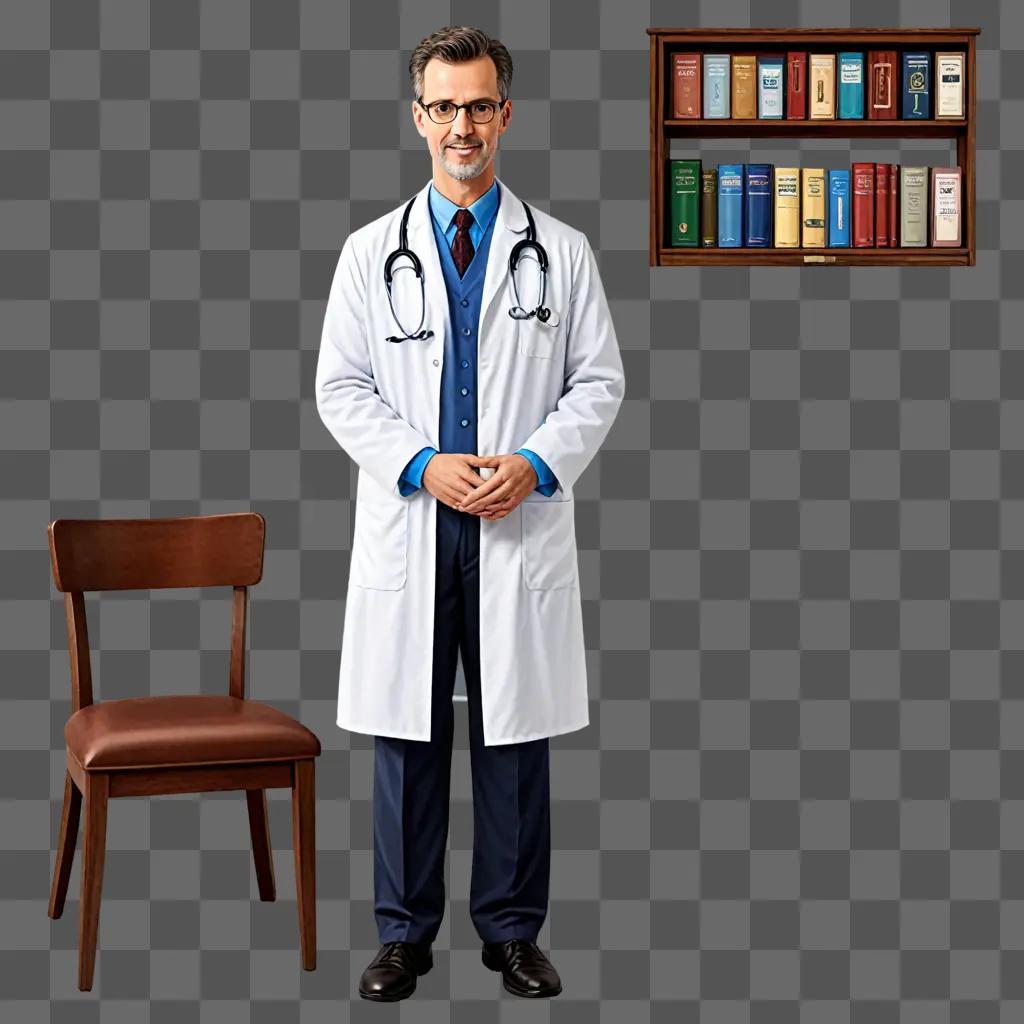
(511, 794)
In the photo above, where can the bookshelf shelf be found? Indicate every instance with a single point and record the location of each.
(664, 128)
(927, 256)
(760, 127)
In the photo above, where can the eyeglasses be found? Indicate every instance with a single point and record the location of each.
(444, 111)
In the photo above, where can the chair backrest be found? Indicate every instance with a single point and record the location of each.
(144, 554)
(148, 554)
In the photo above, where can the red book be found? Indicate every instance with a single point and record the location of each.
(796, 86)
(882, 205)
(894, 205)
(881, 87)
(863, 205)
(686, 85)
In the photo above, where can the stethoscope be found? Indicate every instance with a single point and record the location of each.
(517, 312)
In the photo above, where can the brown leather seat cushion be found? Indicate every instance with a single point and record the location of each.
(182, 729)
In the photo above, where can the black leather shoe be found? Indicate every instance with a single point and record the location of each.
(391, 974)
(525, 970)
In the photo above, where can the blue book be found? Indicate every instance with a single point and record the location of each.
(839, 209)
(716, 84)
(757, 213)
(917, 85)
(851, 85)
(730, 205)
(770, 67)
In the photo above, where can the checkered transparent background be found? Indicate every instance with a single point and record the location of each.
(801, 549)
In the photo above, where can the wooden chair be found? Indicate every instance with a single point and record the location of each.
(145, 746)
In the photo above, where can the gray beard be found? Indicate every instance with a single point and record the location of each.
(465, 170)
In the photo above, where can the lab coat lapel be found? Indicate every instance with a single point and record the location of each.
(509, 227)
(423, 243)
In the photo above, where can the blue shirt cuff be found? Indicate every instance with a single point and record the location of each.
(546, 482)
(412, 476)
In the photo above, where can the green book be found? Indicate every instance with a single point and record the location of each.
(684, 201)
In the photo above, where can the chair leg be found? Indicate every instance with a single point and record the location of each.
(259, 831)
(69, 819)
(304, 845)
(93, 852)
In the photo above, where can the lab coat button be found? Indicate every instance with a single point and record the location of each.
(437, 362)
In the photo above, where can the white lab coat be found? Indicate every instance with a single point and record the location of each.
(555, 391)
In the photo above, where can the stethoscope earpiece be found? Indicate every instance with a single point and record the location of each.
(543, 313)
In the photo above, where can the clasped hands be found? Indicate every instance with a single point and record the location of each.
(450, 477)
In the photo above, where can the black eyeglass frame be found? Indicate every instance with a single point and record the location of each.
(496, 105)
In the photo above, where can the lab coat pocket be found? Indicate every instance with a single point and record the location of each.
(549, 544)
(380, 543)
(539, 340)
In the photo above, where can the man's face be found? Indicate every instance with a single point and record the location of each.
(462, 147)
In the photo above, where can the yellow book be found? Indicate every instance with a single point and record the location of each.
(744, 85)
(787, 207)
(822, 90)
(813, 219)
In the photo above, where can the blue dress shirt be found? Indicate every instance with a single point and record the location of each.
(443, 211)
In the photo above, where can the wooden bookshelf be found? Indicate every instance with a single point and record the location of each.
(665, 41)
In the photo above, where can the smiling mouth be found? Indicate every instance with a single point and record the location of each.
(463, 149)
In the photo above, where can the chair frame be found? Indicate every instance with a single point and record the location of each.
(189, 551)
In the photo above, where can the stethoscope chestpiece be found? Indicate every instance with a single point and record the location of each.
(422, 336)
(546, 316)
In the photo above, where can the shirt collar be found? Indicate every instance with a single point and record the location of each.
(483, 209)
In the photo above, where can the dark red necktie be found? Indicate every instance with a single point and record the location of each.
(462, 247)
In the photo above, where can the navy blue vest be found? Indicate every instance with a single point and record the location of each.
(457, 428)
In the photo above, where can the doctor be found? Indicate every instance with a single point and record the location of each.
(470, 428)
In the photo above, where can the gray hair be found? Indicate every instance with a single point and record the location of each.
(455, 44)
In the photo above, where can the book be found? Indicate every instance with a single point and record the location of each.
(769, 85)
(812, 207)
(787, 207)
(881, 205)
(838, 208)
(880, 88)
(709, 206)
(796, 85)
(894, 221)
(913, 206)
(685, 202)
(949, 84)
(686, 85)
(851, 85)
(757, 215)
(716, 84)
(863, 186)
(730, 205)
(823, 86)
(744, 86)
(917, 76)
(946, 205)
